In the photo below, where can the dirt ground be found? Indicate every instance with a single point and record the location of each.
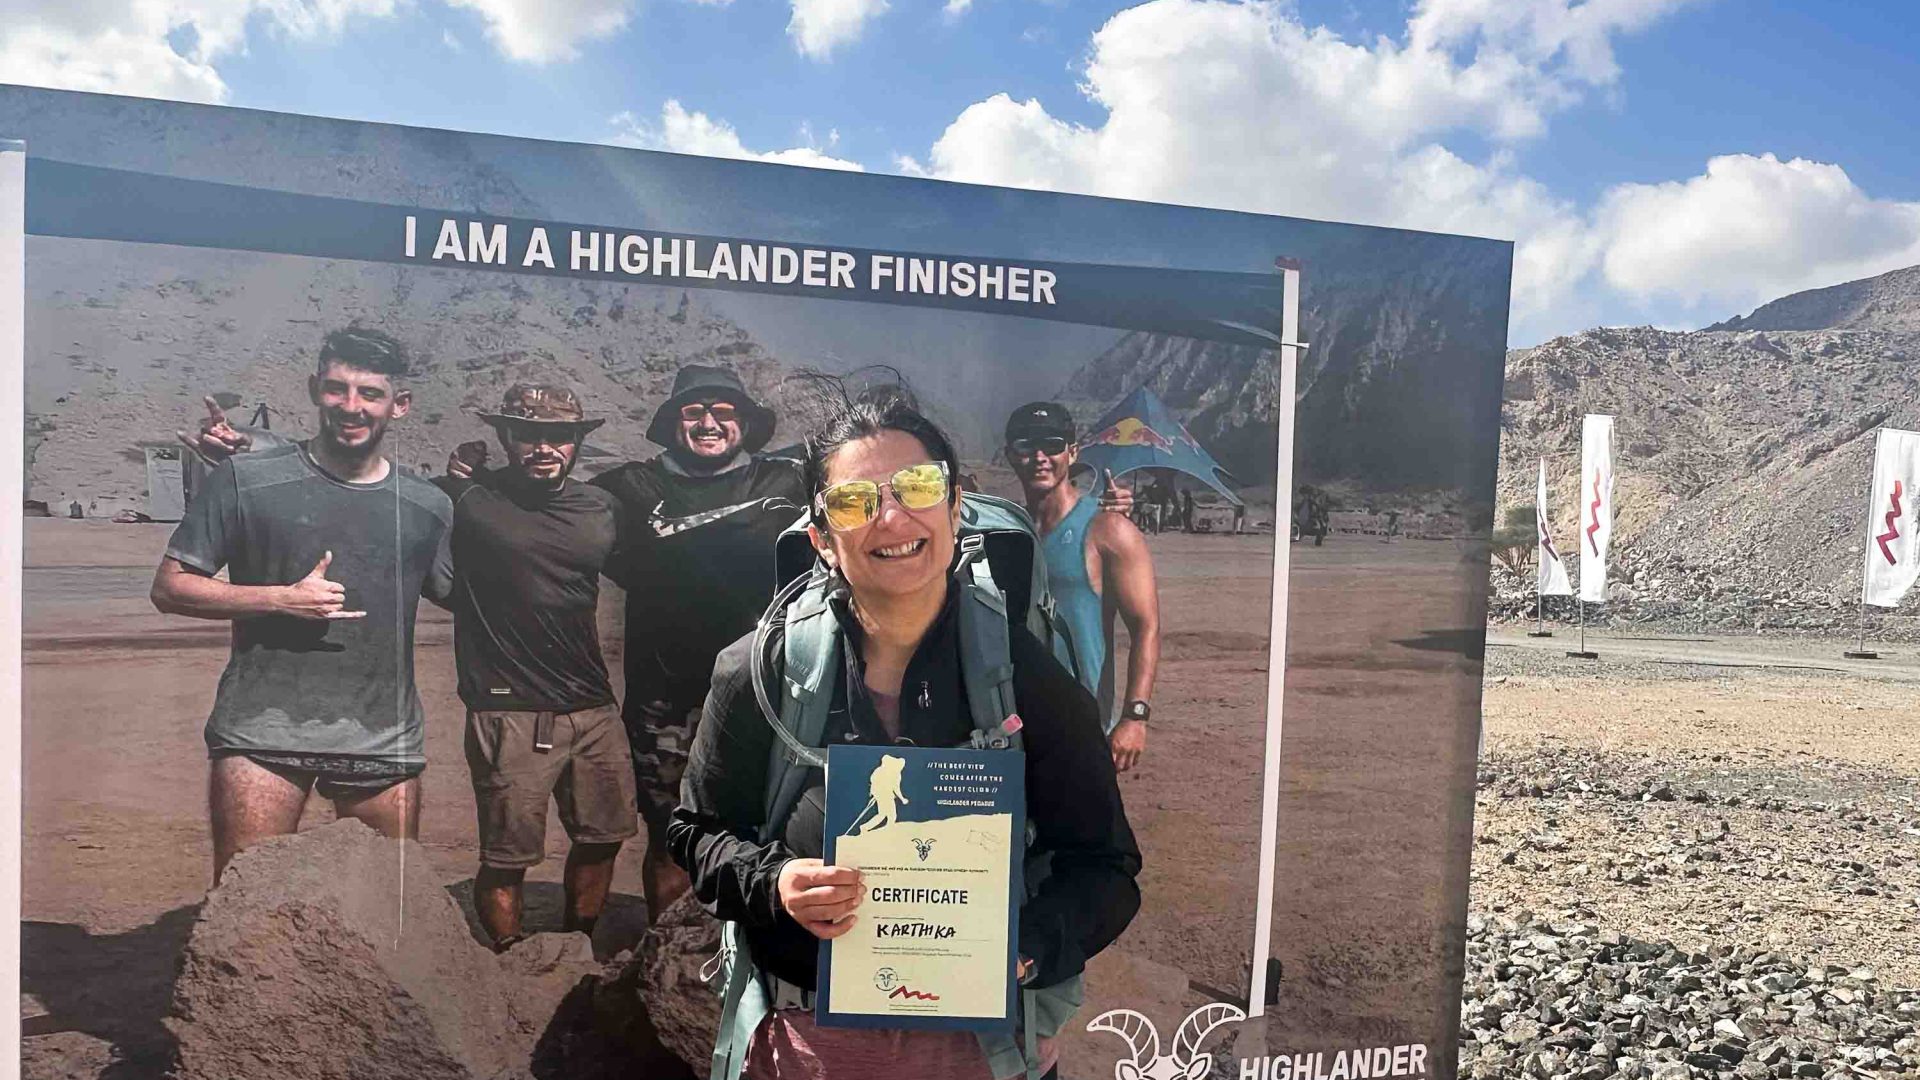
(1789, 820)
(116, 854)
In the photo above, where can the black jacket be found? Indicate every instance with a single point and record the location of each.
(1073, 801)
(697, 564)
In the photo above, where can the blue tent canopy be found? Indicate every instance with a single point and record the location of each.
(1140, 433)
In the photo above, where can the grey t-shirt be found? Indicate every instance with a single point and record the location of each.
(341, 686)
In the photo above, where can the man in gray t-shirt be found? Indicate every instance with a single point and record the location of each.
(327, 547)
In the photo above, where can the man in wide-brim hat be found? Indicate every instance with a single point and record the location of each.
(697, 389)
(529, 546)
(702, 518)
(535, 403)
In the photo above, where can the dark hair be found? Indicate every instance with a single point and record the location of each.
(366, 350)
(863, 415)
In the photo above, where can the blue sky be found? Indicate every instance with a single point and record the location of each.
(1663, 161)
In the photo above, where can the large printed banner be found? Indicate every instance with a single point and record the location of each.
(414, 551)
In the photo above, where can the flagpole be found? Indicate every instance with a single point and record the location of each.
(1863, 653)
(1582, 653)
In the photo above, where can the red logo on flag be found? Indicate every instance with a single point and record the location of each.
(1595, 527)
(1892, 533)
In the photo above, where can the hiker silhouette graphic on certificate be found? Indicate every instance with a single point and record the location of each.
(883, 792)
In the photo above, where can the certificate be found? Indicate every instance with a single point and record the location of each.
(939, 837)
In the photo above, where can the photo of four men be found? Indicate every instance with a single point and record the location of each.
(327, 546)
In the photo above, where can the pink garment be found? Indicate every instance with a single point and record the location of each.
(788, 1045)
(887, 707)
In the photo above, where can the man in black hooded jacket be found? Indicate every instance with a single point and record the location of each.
(702, 519)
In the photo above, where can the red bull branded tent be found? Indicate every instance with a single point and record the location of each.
(1141, 433)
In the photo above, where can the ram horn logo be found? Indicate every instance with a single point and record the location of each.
(924, 847)
(1186, 1062)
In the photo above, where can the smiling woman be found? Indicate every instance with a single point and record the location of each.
(885, 526)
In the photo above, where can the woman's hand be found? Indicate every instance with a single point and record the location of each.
(821, 898)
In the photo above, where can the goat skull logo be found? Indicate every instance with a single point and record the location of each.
(924, 847)
(1146, 1062)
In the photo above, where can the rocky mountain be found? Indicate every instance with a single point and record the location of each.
(1888, 302)
(1743, 455)
(125, 339)
(1390, 385)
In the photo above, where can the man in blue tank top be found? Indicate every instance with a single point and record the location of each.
(1098, 566)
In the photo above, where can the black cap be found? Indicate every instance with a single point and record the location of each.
(1040, 420)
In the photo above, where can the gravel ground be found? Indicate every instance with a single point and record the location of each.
(1693, 871)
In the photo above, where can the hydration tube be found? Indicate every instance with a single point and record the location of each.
(775, 617)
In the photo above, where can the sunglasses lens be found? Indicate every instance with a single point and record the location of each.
(721, 411)
(850, 505)
(536, 434)
(920, 486)
(1052, 446)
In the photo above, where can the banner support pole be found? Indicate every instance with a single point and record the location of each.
(1862, 653)
(1582, 653)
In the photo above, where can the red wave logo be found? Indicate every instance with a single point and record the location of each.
(1891, 533)
(1595, 507)
(1546, 541)
(912, 995)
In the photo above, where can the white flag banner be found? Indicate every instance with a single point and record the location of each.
(1552, 573)
(1596, 505)
(1893, 544)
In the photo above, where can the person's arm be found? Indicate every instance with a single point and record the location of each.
(206, 540)
(438, 585)
(712, 832)
(619, 566)
(1127, 584)
(179, 589)
(217, 439)
(1073, 801)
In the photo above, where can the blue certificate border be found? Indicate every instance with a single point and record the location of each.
(1011, 798)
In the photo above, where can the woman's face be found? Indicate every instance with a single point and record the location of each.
(900, 552)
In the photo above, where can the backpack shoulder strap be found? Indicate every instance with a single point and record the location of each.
(811, 651)
(986, 648)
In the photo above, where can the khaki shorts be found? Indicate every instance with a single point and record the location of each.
(588, 772)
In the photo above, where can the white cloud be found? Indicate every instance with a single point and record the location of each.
(1748, 230)
(687, 132)
(1242, 105)
(952, 10)
(818, 27)
(543, 31)
(152, 48)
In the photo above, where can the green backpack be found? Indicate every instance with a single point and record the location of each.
(1002, 578)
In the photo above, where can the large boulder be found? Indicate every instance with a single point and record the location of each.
(334, 954)
(659, 998)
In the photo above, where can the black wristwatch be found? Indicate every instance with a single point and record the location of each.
(1136, 710)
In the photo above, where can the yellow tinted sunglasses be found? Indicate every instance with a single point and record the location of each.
(854, 503)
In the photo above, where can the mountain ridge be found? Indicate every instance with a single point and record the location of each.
(1742, 456)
